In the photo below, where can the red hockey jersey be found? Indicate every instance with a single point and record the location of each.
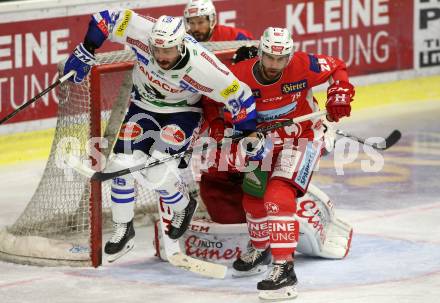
(228, 33)
(291, 96)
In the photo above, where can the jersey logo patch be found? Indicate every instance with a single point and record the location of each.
(293, 87)
(130, 131)
(139, 44)
(231, 89)
(124, 23)
(196, 84)
(271, 208)
(172, 134)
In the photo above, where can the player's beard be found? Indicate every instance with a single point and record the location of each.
(271, 74)
(200, 36)
(167, 64)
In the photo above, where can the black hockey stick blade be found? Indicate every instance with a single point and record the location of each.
(389, 141)
(392, 139)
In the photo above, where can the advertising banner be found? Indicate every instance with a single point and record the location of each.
(372, 36)
(427, 37)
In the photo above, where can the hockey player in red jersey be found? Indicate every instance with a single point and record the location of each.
(201, 21)
(281, 81)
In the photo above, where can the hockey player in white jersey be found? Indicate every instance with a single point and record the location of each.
(171, 73)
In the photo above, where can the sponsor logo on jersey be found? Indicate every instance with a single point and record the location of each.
(185, 86)
(139, 44)
(172, 134)
(151, 19)
(130, 131)
(164, 86)
(293, 87)
(124, 23)
(191, 39)
(141, 58)
(277, 48)
(210, 60)
(256, 93)
(277, 98)
(196, 84)
(231, 89)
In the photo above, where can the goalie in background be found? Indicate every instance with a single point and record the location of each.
(171, 73)
(201, 22)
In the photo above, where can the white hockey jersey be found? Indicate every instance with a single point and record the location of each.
(175, 90)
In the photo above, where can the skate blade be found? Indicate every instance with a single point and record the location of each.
(286, 293)
(253, 272)
(128, 246)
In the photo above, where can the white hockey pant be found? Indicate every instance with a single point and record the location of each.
(167, 181)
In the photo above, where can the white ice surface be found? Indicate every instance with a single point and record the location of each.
(395, 257)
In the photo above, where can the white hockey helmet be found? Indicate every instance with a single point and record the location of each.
(276, 41)
(168, 32)
(198, 8)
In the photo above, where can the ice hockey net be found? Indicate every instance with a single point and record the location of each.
(61, 224)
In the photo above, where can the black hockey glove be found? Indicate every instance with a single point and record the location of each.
(243, 53)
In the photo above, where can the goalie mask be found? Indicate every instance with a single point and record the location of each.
(168, 32)
(276, 41)
(199, 8)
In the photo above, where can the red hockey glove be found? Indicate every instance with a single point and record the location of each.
(339, 96)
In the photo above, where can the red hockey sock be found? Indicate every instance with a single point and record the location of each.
(280, 204)
(256, 221)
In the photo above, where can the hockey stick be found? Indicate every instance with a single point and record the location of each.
(389, 141)
(177, 258)
(49, 88)
(84, 170)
